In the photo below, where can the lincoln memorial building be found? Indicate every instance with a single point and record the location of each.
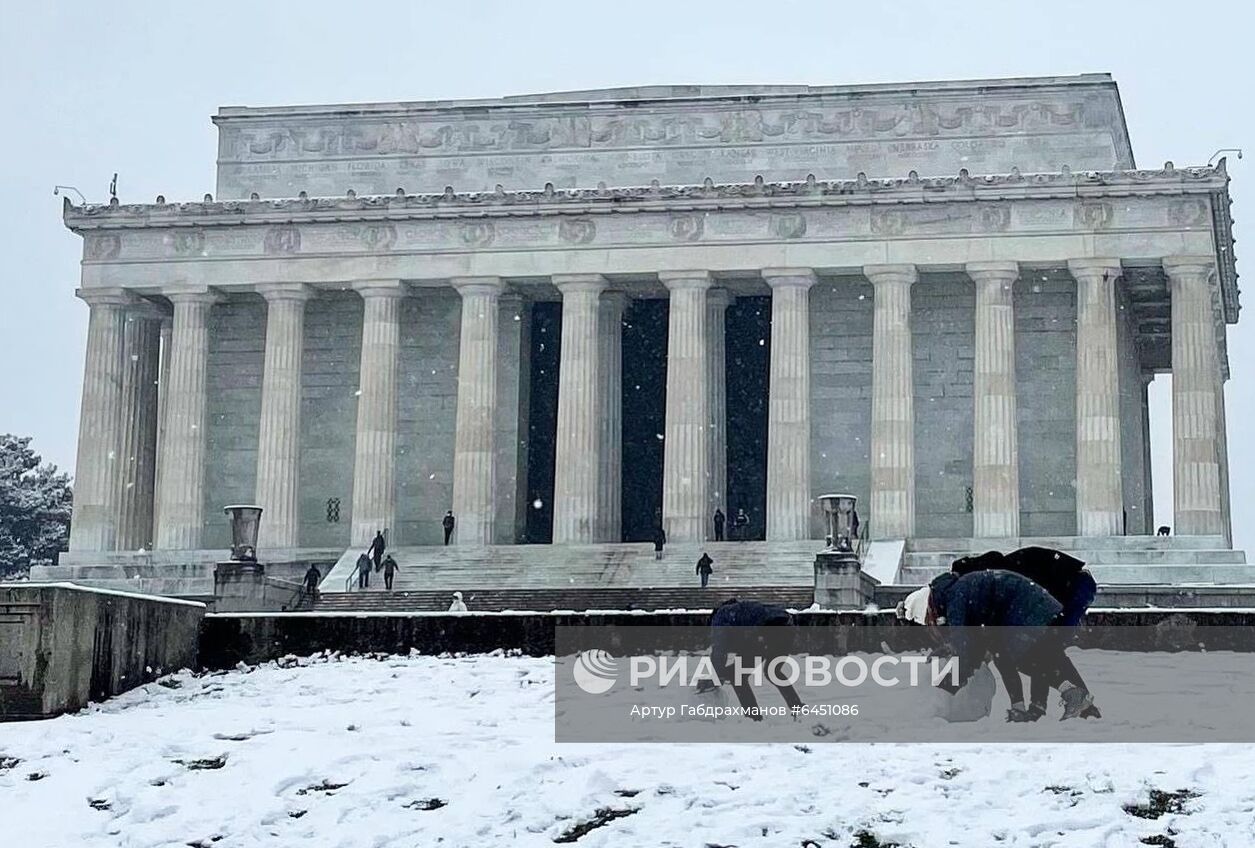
(573, 318)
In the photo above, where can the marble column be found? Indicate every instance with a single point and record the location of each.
(163, 385)
(1099, 486)
(717, 302)
(474, 457)
(789, 404)
(374, 454)
(610, 420)
(138, 443)
(279, 436)
(1197, 401)
(181, 463)
(98, 467)
(995, 444)
(892, 508)
(576, 463)
(686, 446)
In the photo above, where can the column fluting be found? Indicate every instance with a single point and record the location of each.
(181, 463)
(138, 441)
(893, 403)
(577, 463)
(374, 453)
(279, 436)
(474, 458)
(1197, 401)
(98, 466)
(1099, 487)
(995, 445)
(686, 445)
(610, 452)
(789, 403)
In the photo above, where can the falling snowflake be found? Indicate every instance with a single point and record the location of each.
(537, 504)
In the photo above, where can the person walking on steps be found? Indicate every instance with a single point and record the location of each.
(377, 547)
(704, 568)
(720, 520)
(363, 570)
(390, 568)
(312, 578)
(448, 524)
(660, 539)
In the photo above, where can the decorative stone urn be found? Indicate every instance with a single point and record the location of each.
(245, 522)
(840, 512)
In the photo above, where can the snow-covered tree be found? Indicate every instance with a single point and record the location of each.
(34, 507)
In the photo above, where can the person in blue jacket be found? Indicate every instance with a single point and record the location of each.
(974, 607)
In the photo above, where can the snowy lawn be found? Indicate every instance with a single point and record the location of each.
(427, 751)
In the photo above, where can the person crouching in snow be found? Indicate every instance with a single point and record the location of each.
(973, 606)
(457, 605)
(735, 633)
(1069, 583)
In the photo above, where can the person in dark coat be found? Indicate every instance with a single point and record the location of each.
(720, 520)
(377, 547)
(660, 539)
(448, 523)
(363, 570)
(704, 568)
(312, 578)
(390, 568)
(1067, 581)
(735, 632)
(973, 606)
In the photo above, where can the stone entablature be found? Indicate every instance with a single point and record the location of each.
(831, 226)
(674, 134)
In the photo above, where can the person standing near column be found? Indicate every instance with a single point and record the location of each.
(448, 524)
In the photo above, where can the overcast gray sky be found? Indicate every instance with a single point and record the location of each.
(91, 88)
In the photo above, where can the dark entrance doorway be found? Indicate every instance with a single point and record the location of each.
(644, 416)
(748, 368)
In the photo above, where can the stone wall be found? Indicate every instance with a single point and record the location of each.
(1045, 373)
(943, 333)
(841, 390)
(237, 351)
(62, 645)
(332, 356)
(228, 639)
(427, 405)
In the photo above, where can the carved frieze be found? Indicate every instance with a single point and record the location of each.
(888, 222)
(788, 225)
(687, 226)
(186, 242)
(577, 230)
(1189, 212)
(283, 240)
(377, 238)
(1092, 214)
(477, 233)
(994, 217)
(662, 129)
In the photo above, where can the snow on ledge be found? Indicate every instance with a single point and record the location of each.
(90, 590)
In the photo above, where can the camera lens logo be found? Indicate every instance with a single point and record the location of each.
(595, 671)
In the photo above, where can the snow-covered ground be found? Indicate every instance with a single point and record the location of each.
(426, 751)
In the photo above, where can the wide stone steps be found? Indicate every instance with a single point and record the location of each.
(545, 600)
(602, 566)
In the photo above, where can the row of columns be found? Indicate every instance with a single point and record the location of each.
(128, 429)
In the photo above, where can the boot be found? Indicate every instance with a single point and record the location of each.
(1075, 702)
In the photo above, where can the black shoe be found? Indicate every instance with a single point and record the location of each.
(1091, 712)
(1033, 713)
(1075, 702)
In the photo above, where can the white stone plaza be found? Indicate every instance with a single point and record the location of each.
(969, 286)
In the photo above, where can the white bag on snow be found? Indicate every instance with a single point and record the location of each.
(972, 702)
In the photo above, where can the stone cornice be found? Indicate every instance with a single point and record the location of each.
(758, 194)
